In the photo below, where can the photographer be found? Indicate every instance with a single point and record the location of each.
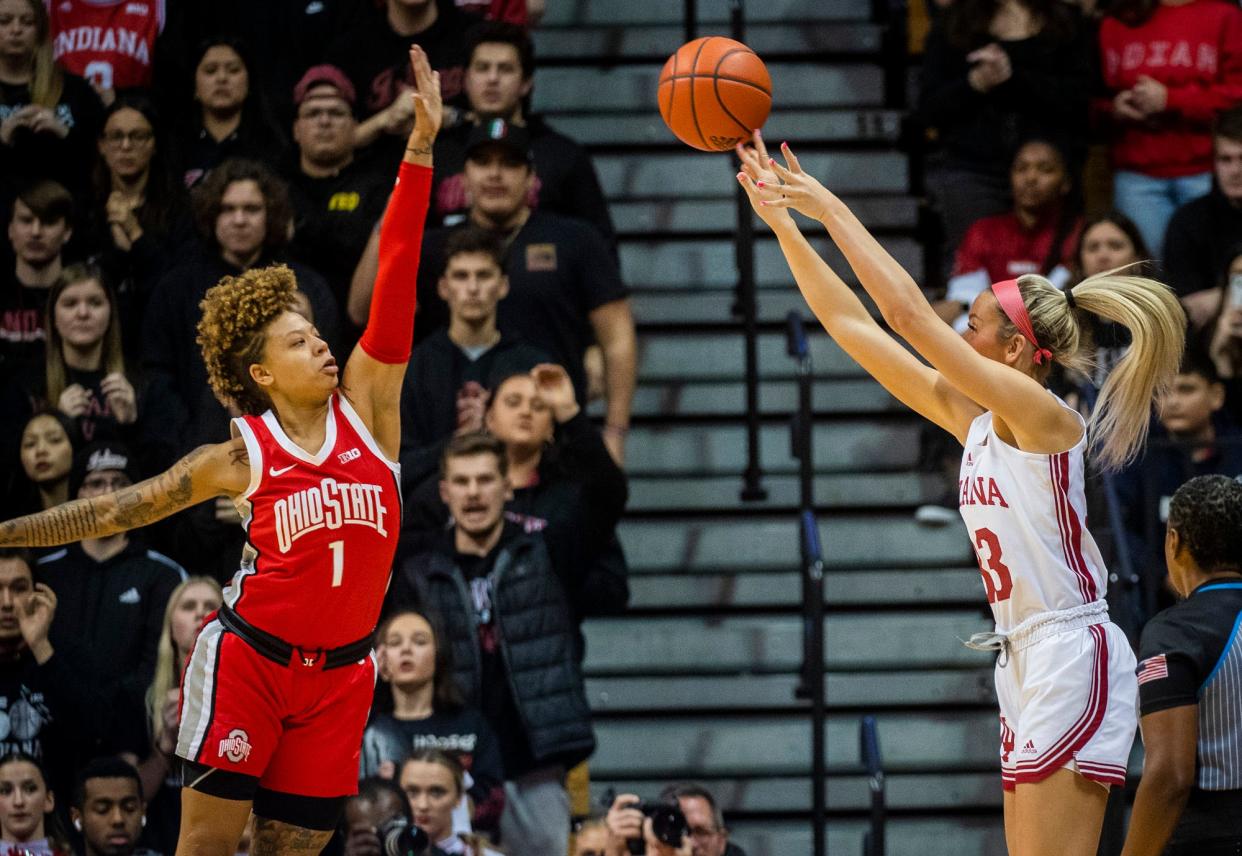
(706, 834)
(378, 808)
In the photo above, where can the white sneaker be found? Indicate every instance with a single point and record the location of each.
(936, 515)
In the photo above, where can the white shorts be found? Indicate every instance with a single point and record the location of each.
(1068, 699)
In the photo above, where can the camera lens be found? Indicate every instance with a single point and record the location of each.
(399, 838)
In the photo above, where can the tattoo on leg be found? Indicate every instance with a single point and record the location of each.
(274, 838)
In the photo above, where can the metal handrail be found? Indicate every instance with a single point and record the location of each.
(811, 685)
(869, 751)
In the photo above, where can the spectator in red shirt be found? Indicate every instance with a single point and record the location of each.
(1038, 236)
(1169, 69)
(109, 42)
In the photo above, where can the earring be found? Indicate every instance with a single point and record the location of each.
(144, 821)
(77, 824)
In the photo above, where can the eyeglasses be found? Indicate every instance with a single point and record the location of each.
(105, 483)
(700, 832)
(134, 138)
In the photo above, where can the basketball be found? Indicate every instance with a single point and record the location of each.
(713, 92)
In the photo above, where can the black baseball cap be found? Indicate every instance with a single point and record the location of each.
(498, 132)
(98, 456)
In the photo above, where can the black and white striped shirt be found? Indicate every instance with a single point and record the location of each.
(1191, 654)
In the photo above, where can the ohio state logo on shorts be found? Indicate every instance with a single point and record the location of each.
(235, 747)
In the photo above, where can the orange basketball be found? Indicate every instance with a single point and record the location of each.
(713, 92)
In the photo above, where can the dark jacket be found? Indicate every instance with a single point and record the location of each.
(1145, 486)
(580, 489)
(1046, 97)
(115, 608)
(135, 272)
(57, 711)
(1201, 239)
(435, 375)
(536, 639)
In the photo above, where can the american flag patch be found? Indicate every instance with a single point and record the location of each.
(1152, 669)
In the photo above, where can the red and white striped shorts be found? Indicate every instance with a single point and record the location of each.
(1068, 698)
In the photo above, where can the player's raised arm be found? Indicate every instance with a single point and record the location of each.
(376, 368)
(1017, 398)
(843, 315)
(206, 472)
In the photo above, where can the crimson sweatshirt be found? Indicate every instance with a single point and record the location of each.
(1196, 51)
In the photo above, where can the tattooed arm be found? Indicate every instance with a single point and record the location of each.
(221, 469)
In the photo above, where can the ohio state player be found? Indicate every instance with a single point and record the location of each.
(1065, 675)
(277, 690)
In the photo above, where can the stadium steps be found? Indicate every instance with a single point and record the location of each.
(698, 679)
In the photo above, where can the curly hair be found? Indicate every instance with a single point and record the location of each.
(1207, 512)
(232, 334)
(208, 200)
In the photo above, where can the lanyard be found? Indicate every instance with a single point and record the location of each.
(1215, 586)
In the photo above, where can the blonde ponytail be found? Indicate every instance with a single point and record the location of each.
(1157, 325)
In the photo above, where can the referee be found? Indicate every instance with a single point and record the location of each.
(1190, 684)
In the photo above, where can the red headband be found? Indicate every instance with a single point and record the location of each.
(1010, 300)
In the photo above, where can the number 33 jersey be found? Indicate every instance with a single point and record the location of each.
(1026, 515)
(321, 531)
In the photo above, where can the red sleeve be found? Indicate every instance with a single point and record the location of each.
(389, 335)
(1201, 101)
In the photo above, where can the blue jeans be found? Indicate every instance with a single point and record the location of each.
(1150, 202)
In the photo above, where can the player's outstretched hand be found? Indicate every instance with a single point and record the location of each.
(798, 190)
(760, 181)
(428, 106)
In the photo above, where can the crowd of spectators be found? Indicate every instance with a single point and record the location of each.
(146, 151)
(1118, 124)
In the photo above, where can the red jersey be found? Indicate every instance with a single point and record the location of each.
(321, 531)
(1006, 249)
(109, 42)
(1196, 51)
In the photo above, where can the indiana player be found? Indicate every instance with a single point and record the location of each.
(278, 686)
(1065, 675)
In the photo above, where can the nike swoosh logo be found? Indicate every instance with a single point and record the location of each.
(273, 472)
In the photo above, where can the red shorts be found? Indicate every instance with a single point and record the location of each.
(297, 730)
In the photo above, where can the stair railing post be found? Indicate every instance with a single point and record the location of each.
(812, 678)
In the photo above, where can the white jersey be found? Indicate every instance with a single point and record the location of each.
(1027, 517)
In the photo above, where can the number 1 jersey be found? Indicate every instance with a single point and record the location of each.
(1026, 514)
(321, 531)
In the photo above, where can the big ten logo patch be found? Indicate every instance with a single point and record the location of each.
(346, 201)
(541, 257)
(235, 747)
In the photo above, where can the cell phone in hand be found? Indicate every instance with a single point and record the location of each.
(1235, 289)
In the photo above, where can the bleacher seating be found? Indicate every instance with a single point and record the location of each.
(697, 680)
